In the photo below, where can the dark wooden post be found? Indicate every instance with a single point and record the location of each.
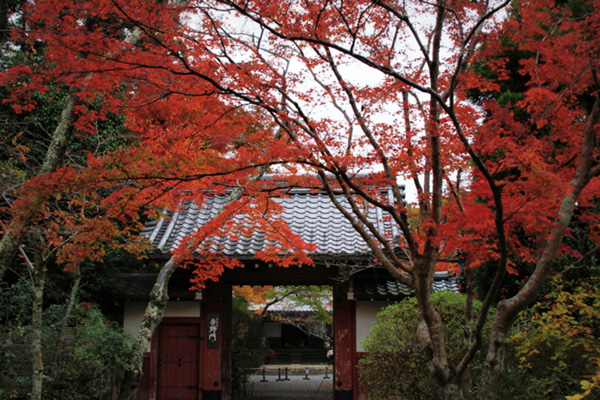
(344, 326)
(216, 320)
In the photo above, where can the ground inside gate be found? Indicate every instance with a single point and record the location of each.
(317, 387)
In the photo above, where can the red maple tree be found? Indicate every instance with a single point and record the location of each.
(486, 176)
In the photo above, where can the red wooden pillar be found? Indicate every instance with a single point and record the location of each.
(226, 321)
(216, 332)
(344, 325)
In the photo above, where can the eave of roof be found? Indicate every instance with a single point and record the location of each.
(390, 289)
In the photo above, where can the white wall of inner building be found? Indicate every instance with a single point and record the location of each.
(366, 317)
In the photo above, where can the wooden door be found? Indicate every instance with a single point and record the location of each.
(178, 361)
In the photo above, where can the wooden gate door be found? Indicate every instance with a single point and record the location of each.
(178, 361)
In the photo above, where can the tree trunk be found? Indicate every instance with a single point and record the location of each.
(9, 246)
(508, 309)
(61, 138)
(70, 304)
(38, 275)
(452, 391)
(494, 361)
(152, 318)
(55, 154)
(430, 336)
(36, 332)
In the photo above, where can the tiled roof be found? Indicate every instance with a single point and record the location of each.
(378, 289)
(310, 215)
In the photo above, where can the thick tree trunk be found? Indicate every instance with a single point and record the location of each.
(425, 268)
(61, 137)
(452, 391)
(494, 362)
(152, 318)
(430, 335)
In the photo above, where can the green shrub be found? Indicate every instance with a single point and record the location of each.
(559, 347)
(89, 361)
(83, 364)
(394, 365)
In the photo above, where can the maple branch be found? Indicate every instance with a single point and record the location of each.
(554, 103)
(404, 18)
(359, 222)
(401, 219)
(30, 266)
(583, 258)
(371, 137)
(61, 137)
(595, 171)
(70, 304)
(335, 103)
(365, 60)
(468, 41)
(215, 122)
(192, 177)
(508, 309)
(502, 245)
(454, 191)
(58, 246)
(410, 151)
(359, 117)
(306, 125)
(433, 128)
(277, 300)
(508, 217)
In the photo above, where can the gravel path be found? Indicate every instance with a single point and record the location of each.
(296, 388)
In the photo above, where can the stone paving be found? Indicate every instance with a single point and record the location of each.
(318, 387)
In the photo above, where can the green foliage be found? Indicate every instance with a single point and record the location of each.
(15, 304)
(559, 346)
(82, 359)
(394, 365)
(85, 365)
(247, 346)
(287, 299)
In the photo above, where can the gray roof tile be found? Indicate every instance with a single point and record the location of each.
(311, 215)
(389, 289)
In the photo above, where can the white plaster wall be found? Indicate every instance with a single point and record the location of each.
(366, 316)
(134, 311)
